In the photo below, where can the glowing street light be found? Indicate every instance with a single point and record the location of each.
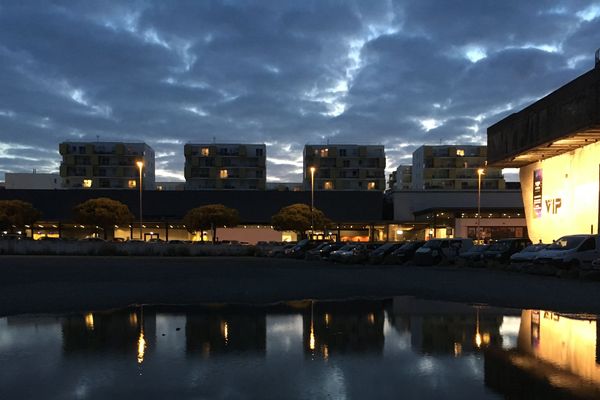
(312, 198)
(140, 165)
(480, 172)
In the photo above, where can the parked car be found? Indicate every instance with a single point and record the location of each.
(474, 256)
(342, 252)
(379, 254)
(404, 253)
(571, 251)
(176, 241)
(528, 254)
(300, 249)
(503, 249)
(436, 250)
(327, 250)
(359, 254)
(281, 250)
(315, 254)
(92, 239)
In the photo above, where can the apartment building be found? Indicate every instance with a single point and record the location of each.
(225, 166)
(454, 168)
(401, 178)
(106, 165)
(344, 167)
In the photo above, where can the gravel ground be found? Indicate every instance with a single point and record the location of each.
(48, 284)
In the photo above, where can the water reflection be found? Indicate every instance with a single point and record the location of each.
(401, 347)
(556, 357)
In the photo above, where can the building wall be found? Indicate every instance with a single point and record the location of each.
(464, 226)
(225, 166)
(453, 168)
(409, 202)
(569, 195)
(345, 167)
(106, 165)
(32, 181)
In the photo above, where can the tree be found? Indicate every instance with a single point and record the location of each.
(210, 217)
(103, 212)
(297, 218)
(17, 214)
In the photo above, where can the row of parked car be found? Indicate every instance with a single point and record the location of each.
(567, 252)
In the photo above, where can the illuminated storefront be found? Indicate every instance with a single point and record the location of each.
(554, 142)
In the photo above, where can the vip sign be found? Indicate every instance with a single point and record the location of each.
(552, 205)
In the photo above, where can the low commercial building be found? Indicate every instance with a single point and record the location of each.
(106, 165)
(555, 142)
(344, 167)
(32, 180)
(225, 166)
(454, 168)
(428, 214)
(163, 212)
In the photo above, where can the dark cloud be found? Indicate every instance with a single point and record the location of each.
(285, 73)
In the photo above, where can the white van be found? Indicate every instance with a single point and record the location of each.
(571, 251)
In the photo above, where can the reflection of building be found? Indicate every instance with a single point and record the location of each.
(344, 167)
(225, 166)
(332, 328)
(447, 328)
(555, 144)
(106, 165)
(556, 358)
(453, 168)
(212, 332)
(109, 332)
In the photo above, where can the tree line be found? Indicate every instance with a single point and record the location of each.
(105, 213)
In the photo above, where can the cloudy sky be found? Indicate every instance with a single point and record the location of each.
(284, 73)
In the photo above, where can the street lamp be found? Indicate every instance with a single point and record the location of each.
(140, 165)
(312, 198)
(480, 172)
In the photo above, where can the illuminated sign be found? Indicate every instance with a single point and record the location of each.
(537, 193)
(552, 205)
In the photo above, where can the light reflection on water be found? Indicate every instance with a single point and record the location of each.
(397, 348)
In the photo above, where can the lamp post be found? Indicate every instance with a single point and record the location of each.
(480, 172)
(312, 198)
(140, 165)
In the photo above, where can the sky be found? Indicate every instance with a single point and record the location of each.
(284, 73)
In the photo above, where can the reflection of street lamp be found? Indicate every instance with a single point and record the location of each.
(140, 165)
(480, 172)
(312, 198)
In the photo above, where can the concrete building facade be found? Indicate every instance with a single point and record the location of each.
(556, 144)
(344, 167)
(453, 168)
(427, 214)
(225, 166)
(28, 180)
(106, 165)
(401, 178)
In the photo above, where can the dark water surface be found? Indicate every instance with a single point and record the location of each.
(398, 348)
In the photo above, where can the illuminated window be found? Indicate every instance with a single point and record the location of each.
(324, 152)
(132, 183)
(223, 174)
(371, 185)
(460, 152)
(87, 183)
(205, 151)
(328, 185)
